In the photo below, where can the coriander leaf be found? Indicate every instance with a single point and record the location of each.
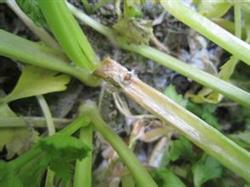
(179, 148)
(172, 94)
(166, 178)
(57, 152)
(206, 169)
(63, 149)
(36, 81)
(205, 112)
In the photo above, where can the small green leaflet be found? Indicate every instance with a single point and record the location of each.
(172, 94)
(166, 178)
(206, 169)
(56, 152)
(180, 148)
(36, 81)
(205, 112)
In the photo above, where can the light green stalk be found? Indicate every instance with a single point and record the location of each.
(212, 31)
(83, 168)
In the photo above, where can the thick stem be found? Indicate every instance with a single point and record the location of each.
(83, 168)
(140, 174)
(212, 31)
(199, 132)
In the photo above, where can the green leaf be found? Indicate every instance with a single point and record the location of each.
(132, 9)
(63, 149)
(31, 9)
(205, 112)
(57, 152)
(242, 138)
(166, 178)
(206, 169)
(228, 68)
(213, 9)
(179, 149)
(36, 81)
(172, 94)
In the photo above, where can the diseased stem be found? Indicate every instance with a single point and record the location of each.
(212, 31)
(208, 80)
(140, 174)
(196, 130)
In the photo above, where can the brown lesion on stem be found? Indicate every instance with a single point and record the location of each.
(113, 72)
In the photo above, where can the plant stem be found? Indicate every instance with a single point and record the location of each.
(26, 157)
(36, 122)
(39, 31)
(51, 130)
(83, 168)
(32, 53)
(140, 174)
(170, 62)
(47, 114)
(196, 130)
(215, 33)
(69, 34)
(78, 123)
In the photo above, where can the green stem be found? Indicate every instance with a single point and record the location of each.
(28, 52)
(69, 34)
(51, 130)
(215, 33)
(168, 61)
(140, 174)
(196, 130)
(83, 168)
(78, 123)
(36, 122)
(47, 114)
(26, 157)
(39, 31)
